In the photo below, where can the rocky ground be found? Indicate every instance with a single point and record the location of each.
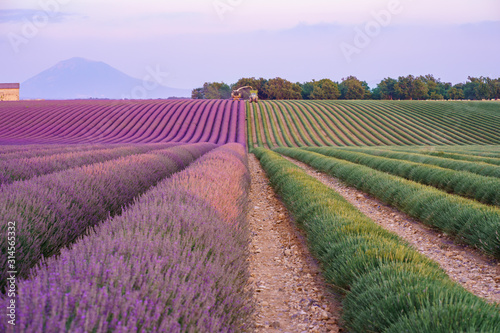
(289, 292)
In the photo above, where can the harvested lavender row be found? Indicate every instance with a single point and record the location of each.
(175, 261)
(26, 168)
(52, 211)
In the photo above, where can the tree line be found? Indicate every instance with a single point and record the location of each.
(404, 87)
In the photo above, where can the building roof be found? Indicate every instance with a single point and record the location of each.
(9, 85)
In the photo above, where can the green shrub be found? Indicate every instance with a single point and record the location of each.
(451, 318)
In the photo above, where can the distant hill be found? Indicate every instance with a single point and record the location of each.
(79, 78)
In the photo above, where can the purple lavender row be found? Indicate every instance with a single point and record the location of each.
(120, 122)
(30, 151)
(26, 168)
(46, 121)
(35, 150)
(241, 136)
(13, 149)
(225, 124)
(51, 211)
(191, 120)
(175, 261)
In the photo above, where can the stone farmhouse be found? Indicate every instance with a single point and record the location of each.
(9, 91)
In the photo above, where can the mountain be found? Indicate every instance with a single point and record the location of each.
(79, 78)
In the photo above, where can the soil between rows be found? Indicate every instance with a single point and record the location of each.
(289, 291)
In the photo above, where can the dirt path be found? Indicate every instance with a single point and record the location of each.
(289, 292)
(473, 270)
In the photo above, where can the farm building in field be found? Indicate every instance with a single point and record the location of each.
(9, 91)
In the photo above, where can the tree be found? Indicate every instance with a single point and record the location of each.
(404, 87)
(456, 92)
(386, 88)
(368, 92)
(494, 87)
(317, 93)
(436, 96)
(224, 91)
(307, 89)
(376, 93)
(257, 84)
(431, 83)
(436, 88)
(330, 88)
(216, 90)
(444, 89)
(212, 90)
(419, 90)
(279, 88)
(351, 88)
(409, 87)
(197, 93)
(477, 88)
(324, 89)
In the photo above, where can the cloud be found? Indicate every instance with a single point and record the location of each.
(21, 15)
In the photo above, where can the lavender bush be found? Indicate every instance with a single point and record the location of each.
(174, 261)
(24, 168)
(29, 151)
(53, 210)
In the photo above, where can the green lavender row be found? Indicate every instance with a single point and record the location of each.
(469, 221)
(370, 123)
(461, 155)
(483, 169)
(388, 286)
(463, 183)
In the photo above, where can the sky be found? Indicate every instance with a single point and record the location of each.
(197, 41)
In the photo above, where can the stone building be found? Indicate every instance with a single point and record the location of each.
(9, 91)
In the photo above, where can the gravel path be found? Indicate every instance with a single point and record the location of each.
(473, 270)
(289, 291)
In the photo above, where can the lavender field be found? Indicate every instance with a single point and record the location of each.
(174, 260)
(118, 122)
(136, 216)
(129, 216)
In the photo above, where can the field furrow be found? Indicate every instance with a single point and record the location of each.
(382, 123)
